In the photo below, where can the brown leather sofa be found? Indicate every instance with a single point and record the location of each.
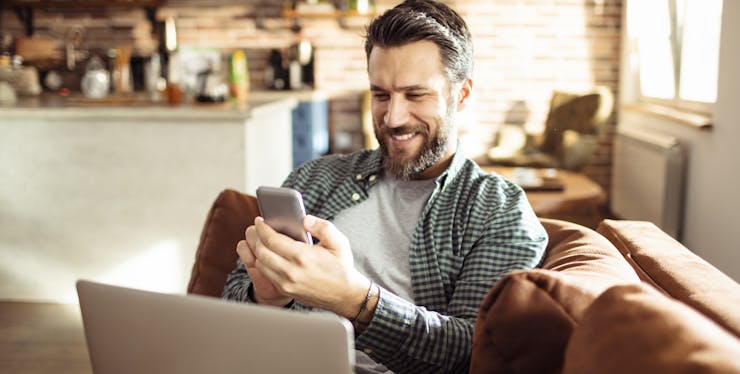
(626, 298)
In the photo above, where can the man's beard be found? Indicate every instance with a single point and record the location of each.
(432, 150)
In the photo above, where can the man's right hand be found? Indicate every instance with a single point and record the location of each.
(263, 290)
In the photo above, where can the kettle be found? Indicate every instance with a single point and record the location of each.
(95, 83)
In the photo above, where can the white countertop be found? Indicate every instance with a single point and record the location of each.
(50, 106)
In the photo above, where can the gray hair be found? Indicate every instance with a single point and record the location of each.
(430, 20)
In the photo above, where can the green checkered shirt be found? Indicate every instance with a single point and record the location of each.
(475, 228)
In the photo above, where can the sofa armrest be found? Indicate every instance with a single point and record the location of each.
(635, 329)
(672, 268)
(526, 319)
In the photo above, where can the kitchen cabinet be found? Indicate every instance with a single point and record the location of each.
(310, 130)
(120, 194)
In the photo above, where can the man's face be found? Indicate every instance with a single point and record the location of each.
(412, 109)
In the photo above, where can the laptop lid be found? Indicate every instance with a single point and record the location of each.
(135, 331)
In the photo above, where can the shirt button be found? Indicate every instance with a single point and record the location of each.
(358, 176)
(367, 350)
(355, 196)
(372, 178)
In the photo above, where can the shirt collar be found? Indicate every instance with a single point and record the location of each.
(447, 176)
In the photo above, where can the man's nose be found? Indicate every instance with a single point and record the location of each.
(398, 112)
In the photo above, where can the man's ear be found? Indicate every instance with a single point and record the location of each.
(464, 94)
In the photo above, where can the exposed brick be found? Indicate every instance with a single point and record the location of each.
(524, 50)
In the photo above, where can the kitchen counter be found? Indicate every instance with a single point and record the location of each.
(51, 106)
(119, 193)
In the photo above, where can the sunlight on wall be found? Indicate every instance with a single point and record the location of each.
(46, 268)
(525, 50)
(154, 270)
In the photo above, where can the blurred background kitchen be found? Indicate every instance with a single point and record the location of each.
(523, 51)
(122, 120)
(125, 118)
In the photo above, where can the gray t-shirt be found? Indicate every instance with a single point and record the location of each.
(380, 231)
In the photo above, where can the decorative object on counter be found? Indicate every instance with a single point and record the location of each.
(23, 79)
(174, 90)
(154, 83)
(360, 6)
(210, 87)
(72, 42)
(53, 80)
(174, 93)
(96, 81)
(314, 6)
(7, 94)
(239, 77)
(6, 48)
(122, 69)
(276, 76)
(41, 51)
(305, 54)
(188, 65)
(170, 34)
(293, 69)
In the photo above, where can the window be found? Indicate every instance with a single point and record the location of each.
(675, 50)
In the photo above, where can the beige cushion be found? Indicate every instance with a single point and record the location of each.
(635, 329)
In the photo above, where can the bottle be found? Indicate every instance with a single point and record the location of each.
(295, 75)
(239, 77)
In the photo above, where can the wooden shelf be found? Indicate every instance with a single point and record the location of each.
(24, 9)
(82, 4)
(345, 18)
(290, 13)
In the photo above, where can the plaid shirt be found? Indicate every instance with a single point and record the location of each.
(475, 228)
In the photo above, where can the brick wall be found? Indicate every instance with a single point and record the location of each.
(524, 50)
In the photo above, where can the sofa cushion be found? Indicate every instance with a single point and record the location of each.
(216, 256)
(672, 268)
(526, 319)
(635, 329)
(581, 252)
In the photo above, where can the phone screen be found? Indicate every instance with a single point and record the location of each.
(282, 208)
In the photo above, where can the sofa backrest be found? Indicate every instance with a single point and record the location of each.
(667, 265)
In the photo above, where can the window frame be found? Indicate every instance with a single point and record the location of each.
(677, 24)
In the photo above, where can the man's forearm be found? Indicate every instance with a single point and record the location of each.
(411, 339)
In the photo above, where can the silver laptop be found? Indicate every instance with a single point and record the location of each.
(134, 331)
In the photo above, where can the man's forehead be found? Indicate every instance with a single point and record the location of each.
(412, 66)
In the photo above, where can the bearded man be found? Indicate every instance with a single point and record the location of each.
(412, 235)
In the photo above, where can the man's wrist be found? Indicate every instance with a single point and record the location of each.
(284, 302)
(367, 309)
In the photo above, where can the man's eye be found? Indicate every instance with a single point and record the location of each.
(381, 96)
(414, 95)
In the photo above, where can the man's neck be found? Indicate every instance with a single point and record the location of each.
(437, 169)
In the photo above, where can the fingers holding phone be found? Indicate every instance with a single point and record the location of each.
(282, 209)
(263, 291)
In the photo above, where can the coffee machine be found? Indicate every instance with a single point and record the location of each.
(291, 68)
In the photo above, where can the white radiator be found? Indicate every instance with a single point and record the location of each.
(648, 179)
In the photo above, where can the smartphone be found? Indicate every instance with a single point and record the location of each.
(282, 208)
